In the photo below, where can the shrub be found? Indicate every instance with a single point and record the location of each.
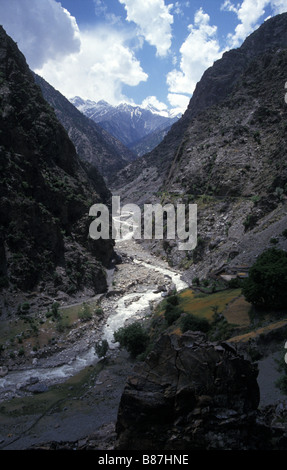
(266, 284)
(279, 193)
(133, 338)
(85, 313)
(26, 306)
(193, 323)
(249, 222)
(99, 311)
(172, 313)
(172, 299)
(101, 348)
(55, 309)
(234, 283)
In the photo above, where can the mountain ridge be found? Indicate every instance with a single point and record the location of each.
(141, 179)
(227, 155)
(93, 144)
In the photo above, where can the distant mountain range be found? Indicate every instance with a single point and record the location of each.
(93, 144)
(139, 129)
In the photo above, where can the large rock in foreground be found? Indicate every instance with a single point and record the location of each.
(190, 394)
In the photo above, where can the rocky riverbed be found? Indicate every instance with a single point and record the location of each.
(136, 284)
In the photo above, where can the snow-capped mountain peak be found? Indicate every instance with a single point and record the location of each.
(128, 123)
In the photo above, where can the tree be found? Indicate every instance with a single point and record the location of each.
(193, 323)
(101, 348)
(172, 313)
(266, 285)
(133, 338)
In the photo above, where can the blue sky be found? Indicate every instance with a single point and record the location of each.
(136, 51)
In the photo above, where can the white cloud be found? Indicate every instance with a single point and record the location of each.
(198, 52)
(153, 102)
(42, 29)
(101, 9)
(93, 74)
(249, 12)
(178, 102)
(154, 21)
(95, 64)
(201, 48)
(228, 6)
(279, 6)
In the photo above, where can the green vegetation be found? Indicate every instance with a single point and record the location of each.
(85, 313)
(249, 222)
(172, 313)
(59, 396)
(32, 330)
(193, 323)
(134, 338)
(265, 286)
(101, 348)
(218, 314)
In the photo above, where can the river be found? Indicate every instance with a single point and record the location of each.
(134, 304)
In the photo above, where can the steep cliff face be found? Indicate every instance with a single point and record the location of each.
(147, 175)
(93, 144)
(227, 155)
(45, 194)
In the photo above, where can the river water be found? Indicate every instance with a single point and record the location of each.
(130, 306)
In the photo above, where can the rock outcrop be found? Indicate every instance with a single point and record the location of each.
(190, 394)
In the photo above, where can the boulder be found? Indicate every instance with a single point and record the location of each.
(3, 371)
(40, 387)
(190, 394)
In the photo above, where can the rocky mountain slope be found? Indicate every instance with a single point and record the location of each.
(129, 124)
(46, 192)
(215, 85)
(227, 155)
(149, 142)
(93, 144)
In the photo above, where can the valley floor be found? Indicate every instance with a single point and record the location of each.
(87, 404)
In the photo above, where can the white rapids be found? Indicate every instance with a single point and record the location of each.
(125, 309)
(140, 305)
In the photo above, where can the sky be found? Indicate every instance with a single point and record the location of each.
(142, 52)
